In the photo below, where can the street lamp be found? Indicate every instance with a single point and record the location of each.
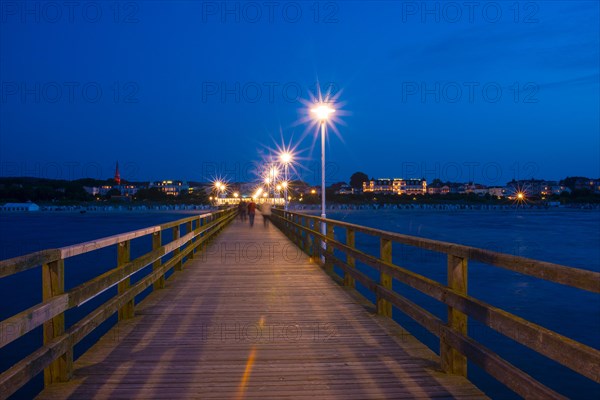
(268, 183)
(322, 112)
(278, 189)
(286, 159)
(272, 174)
(286, 198)
(220, 188)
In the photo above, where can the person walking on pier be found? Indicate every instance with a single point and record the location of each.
(242, 210)
(265, 210)
(251, 212)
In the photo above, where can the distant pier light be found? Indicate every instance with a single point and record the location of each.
(286, 158)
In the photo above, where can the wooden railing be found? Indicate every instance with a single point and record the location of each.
(316, 237)
(55, 357)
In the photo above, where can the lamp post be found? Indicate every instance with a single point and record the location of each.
(322, 112)
(285, 193)
(220, 189)
(268, 183)
(278, 196)
(285, 158)
(273, 173)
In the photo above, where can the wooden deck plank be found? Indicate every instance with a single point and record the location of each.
(253, 318)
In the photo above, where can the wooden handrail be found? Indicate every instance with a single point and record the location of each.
(28, 261)
(55, 357)
(22, 263)
(455, 345)
(568, 276)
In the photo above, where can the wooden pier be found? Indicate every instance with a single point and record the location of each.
(251, 313)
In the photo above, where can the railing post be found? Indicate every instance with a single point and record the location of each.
(203, 222)
(320, 243)
(53, 284)
(156, 244)
(350, 239)
(207, 221)
(190, 228)
(198, 225)
(310, 238)
(296, 219)
(176, 235)
(303, 235)
(329, 248)
(384, 307)
(123, 257)
(452, 361)
(286, 223)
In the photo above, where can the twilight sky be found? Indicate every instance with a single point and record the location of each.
(192, 89)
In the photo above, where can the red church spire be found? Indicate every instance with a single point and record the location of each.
(117, 175)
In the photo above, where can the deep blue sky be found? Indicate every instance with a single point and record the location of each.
(177, 59)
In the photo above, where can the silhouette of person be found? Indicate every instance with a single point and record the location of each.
(265, 210)
(251, 212)
(242, 207)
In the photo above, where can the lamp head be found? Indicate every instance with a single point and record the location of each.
(322, 112)
(285, 157)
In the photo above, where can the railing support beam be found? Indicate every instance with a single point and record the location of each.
(328, 248)
(190, 228)
(123, 257)
(384, 307)
(452, 361)
(53, 284)
(157, 243)
(310, 241)
(176, 235)
(350, 242)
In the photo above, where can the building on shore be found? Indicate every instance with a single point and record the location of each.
(554, 188)
(541, 188)
(443, 189)
(19, 207)
(476, 188)
(345, 189)
(172, 188)
(497, 191)
(413, 186)
(395, 186)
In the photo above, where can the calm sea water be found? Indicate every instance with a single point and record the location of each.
(568, 237)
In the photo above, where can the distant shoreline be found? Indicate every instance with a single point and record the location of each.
(186, 209)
